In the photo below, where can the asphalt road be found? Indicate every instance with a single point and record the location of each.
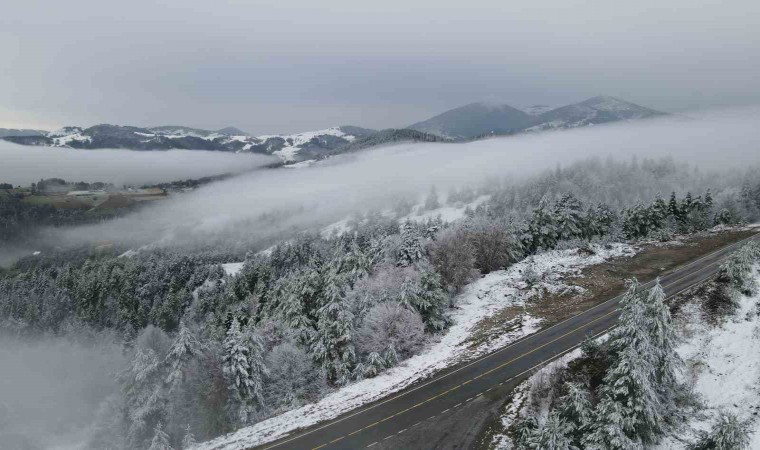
(376, 425)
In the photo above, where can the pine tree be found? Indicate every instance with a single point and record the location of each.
(673, 208)
(183, 350)
(659, 213)
(630, 411)
(541, 230)
(662, 336)
(237, 371)
(576, 410)
(188, 440)
(144, 395)
(569, 218)
(411, 246)
(390, 357)
(552, 435)
(257, 369)
(333, 345)
(375, 364)
(160, 439)
(728, 433)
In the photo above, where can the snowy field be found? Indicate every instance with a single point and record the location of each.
(723, 366)
(478, 301)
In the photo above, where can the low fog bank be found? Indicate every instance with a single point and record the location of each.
(23, 165)
(52, 388)
(263, 204)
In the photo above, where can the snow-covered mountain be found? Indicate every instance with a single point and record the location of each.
(481, 119)
(290, 148)
(596, 110)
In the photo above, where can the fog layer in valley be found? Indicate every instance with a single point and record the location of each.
(50, 389)
(332, 189)
(23, 165)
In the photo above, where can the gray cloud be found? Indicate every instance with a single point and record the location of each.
(296, 65)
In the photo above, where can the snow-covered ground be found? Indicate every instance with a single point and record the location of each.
(447, 213)
(723, 366)
(521, 393)
(478, 301)
(232, 269)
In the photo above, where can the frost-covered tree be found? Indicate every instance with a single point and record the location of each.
(551, 435)
(188, 440)
(373, 365)
(541, 229)
(292, 380)
(630, 405)
(662, 337)
(411, 249)
(576, 410)
(569, 218)
(237, 371)
(160, 439)
(728, 433)
(184, 348)
(333, 346)
(144, 395)
(494, 243)
(390, 323)
(453, 258)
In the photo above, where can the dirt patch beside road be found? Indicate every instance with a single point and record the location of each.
(602, 282)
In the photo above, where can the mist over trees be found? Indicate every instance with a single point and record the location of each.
(210, 352)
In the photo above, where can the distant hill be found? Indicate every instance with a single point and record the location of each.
(289, 148)
(5, 132)
(596, 110)
(473, 121)
(476, 119)
(389, 136)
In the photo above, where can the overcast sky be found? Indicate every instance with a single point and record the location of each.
(294, 65)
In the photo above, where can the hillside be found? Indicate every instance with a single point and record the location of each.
(596, 110)
(475, 119)
(290, 148)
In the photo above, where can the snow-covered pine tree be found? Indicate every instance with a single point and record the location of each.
(160, 439)
(658, 213)
(188, 440)
(184, 348)
(728, 433)
(662, 336)
(390, 356)
(144, 396)
(257, 369)
(630, 405)
(673, 209)
(374, 365)
(551, 435)
(569, 218)
(333, 346)
(237, 371)
(541, 229)
(411, 249)
(576, 410)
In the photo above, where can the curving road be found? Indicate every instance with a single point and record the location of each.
(371, 425)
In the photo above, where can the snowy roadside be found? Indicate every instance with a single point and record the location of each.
(480, 300)
(723, 368)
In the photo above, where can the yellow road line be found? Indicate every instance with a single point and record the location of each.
(490, 355)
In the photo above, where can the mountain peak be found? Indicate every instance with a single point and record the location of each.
(475, 119)
(232, 131)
